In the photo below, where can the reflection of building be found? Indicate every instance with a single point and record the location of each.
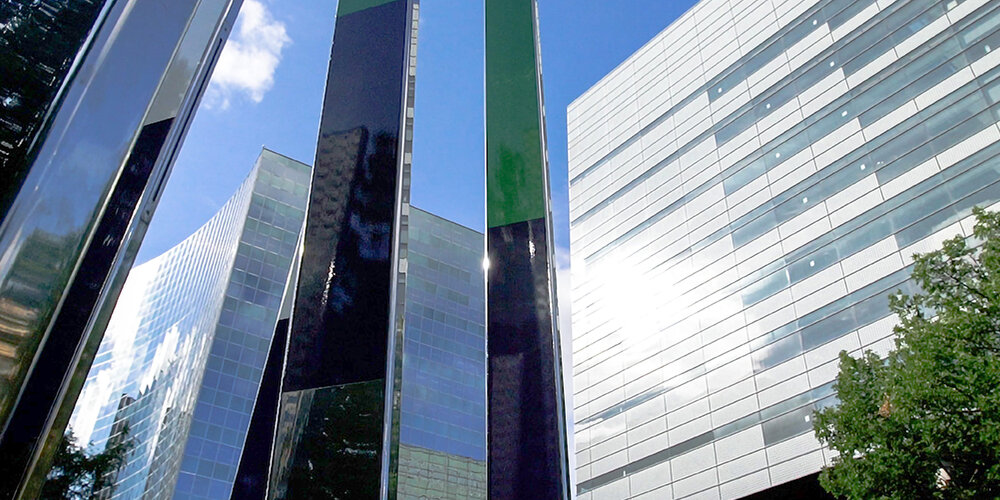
(746, 190)
(442, 430)
(339, 397)
(188, 341)
(528, 452)
(442, 450)
(81, 170)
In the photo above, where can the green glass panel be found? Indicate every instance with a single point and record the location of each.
(346, 7)
(515, 185)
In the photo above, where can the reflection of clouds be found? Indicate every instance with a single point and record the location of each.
(250, 57)
(165, 353)
(119, 338)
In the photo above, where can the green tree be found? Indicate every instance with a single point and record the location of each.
(925, 421)
(75, 475)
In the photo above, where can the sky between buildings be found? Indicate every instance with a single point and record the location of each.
(267, 91)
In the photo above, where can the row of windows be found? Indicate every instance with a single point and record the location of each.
(873, 96)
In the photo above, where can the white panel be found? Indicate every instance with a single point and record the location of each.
(687, 413)
(734, 411)
(968, 147)
(816, 281)
(693, 462)
(755, 461)
(893, 118)
(939, 91)
(877, 270)
(745, 485)
(608, 464)
(827, 372)
(657, 494)
(856, 208)
(783, 390)
(926, 33)
(831, 350)
(794, 469)
(855, 21)
(878, 330)
(837, 151)
(791, 448)
(803, 220)
(695, 483)
(650, 479)
(930, 243)
(729, 374)
(640, 434)
(986, 63)
(872, 68)
(820, 298)
(739, 444)
(733, 393)
(791, 171)
(869, 255)
(647, 447)
(690, 430)
(780, 373)
(806, 235)
(612, 491)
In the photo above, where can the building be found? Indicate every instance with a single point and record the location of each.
(185, 349)
(339, 405)
(527, 442)
(745, 191)
(80, 174)
(442, 434)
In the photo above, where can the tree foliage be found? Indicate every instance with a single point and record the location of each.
(925, 421)
(75, 475)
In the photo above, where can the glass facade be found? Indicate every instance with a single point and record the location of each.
(184, 351)
(339, 405)
(527, 445)
(81, 176)
(443, 416)
(745, 191)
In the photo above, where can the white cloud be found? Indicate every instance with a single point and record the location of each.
(252, 54)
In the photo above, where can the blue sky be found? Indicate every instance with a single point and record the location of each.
(267, 91)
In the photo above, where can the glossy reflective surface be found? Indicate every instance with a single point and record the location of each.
(38, 46)
(524, 414)
(78, 197)
(25, 426)
(187, 343)
(526, 428)
(251, 476)
(443, 418)
(336, 366)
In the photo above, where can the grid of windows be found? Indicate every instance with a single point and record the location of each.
(443, 414)
(745, 191)
(183, 354)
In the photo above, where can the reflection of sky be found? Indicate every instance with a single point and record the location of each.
(444, 404)
(154, 342)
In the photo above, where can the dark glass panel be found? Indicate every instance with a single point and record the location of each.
(251, 477)
(525, 459)
(341, 320)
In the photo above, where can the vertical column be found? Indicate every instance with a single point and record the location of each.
(335, 411)
(526, 440)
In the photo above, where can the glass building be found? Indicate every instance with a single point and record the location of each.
(178, 370)
(80, 173)
(442, 436)
(746, 190)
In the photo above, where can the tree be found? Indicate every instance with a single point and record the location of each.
(76, 475)
(925, 421)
